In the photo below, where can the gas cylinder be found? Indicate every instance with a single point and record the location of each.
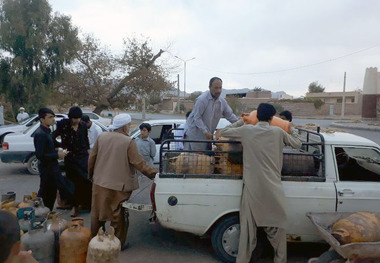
(10, 206)
(40, 210)
(8, 202)
(26, 201)
(73, 243)
(24, 215)
(251, 118)
(105, 247)
(39, 240)
(57, 225)
(9, 196)
(358, 227)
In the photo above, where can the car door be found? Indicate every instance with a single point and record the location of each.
(358, 187)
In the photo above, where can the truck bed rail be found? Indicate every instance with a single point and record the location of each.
(223, 159)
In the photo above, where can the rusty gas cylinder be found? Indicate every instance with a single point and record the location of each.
(39, 240)
(40, 210)
(358, 227)
(105, 247)
(10, 206)
(26, 202)
(73, 243)
(57, 225)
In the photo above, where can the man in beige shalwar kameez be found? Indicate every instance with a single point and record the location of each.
(262, 202)
(111, 167)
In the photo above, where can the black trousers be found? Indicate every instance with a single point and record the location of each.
(52, 180)
(76, 172)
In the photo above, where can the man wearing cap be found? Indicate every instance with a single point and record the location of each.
(111, 167)
(74, 138)
(47, 156)
(93, 130)
(22, 115)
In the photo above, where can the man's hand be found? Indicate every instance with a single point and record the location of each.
(25, 257)
(153, 175)
(208, 136)
(62, 154)
(217, 134)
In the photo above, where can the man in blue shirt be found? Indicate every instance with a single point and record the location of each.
(208, 109)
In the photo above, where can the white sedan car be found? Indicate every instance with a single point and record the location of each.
(96, 117)
(22, 126)
(19, 147)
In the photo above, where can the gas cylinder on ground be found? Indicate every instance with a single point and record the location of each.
(39, 240)
(26, 202)
(24, 215)
(9, 196)
(8, 202)
(57, 225)
(105, 247)
(73, 243)
(40, 210)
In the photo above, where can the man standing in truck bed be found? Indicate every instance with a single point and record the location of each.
(208, 109)
(262, 202)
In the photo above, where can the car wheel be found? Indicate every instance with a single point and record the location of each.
(225, 240)
(32, 165)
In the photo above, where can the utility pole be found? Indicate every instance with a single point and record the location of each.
(143, 108)
(344, 95)
(178, 93)
(184, 69)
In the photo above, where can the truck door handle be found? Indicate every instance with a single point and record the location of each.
(346, 192)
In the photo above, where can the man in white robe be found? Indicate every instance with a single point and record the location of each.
(262, 203)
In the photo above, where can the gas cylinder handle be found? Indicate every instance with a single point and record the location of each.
(37, 221)
(53, 215)
(111, 232)
(80, 220)
(73, 225)
(100, 235)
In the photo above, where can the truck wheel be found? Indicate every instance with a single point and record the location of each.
(225, 240)
(32, 165)
(329, 257)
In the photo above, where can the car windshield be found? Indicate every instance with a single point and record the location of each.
(28, 119)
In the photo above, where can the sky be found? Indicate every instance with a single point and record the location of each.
(278, 45)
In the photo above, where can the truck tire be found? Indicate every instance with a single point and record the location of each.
(225, 240)
(329, 257)
(32, 165)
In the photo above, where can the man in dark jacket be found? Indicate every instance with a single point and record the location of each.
(74, 138)
(47, 156)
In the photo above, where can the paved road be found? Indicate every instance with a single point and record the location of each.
(148, 243)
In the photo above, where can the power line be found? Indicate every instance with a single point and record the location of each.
(294, 68)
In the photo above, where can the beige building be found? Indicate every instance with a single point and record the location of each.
(351, 97)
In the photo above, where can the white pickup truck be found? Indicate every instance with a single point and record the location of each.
(332, 172)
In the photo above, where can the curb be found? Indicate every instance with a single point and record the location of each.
(356, 126)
